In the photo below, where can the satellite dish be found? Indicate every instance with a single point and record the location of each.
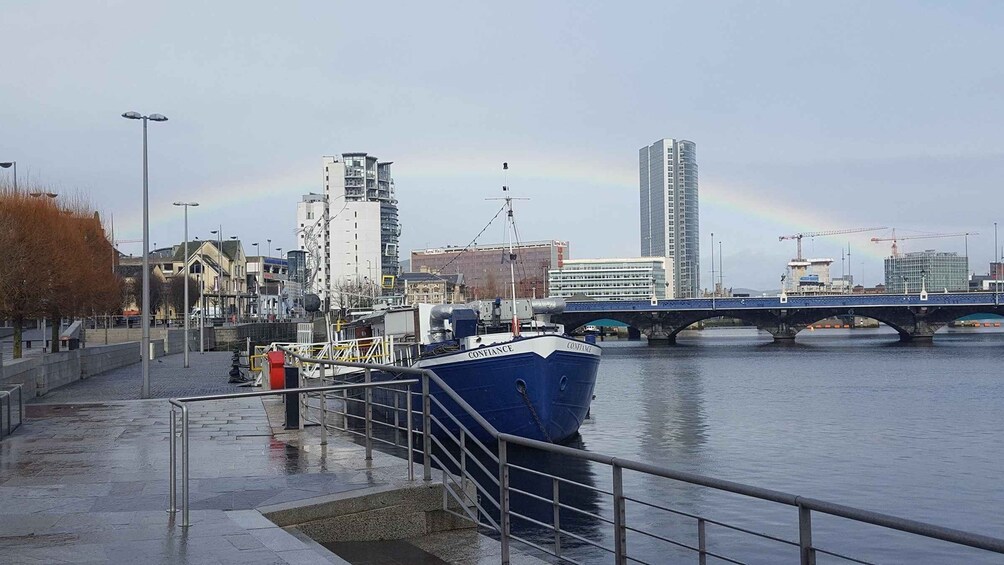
(311, 303)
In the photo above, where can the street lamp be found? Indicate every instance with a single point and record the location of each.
(269, 247)
(146, 252)
(906, 285)
(8, 165)
(278, 300)
(187, 335)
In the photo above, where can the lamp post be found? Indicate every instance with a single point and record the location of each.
(257, 285)
(236, 283)
(721, 278)
(145, 357)
(219, 279)
(8, 165)
(923, 281)
(713, 270)
(278, 286)
(185, 205)
(906, 285)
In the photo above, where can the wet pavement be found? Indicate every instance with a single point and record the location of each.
(85, 479)
(207, 373)
(87, 482)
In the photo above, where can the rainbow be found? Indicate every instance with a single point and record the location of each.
(745, 200)
(595, 174)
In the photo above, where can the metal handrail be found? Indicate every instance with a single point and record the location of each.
(7, 393)
(182, 403)
(805, 505)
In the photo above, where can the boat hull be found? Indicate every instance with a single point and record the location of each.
(536, 387)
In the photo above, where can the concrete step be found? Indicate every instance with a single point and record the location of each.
(385, 512)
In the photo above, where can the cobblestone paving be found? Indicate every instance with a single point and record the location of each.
(88, 483)
(208, 373)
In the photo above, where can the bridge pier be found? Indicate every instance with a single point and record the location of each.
(659, 335)
(663, 339)
(916, 338)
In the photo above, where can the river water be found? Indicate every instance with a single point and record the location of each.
(847, 416)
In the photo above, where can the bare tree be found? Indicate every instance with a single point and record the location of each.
(175, 294)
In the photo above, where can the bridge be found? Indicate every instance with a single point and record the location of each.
(913, 316)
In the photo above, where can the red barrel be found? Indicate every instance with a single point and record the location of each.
(276, 372)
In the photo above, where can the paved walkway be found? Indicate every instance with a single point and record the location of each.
(207, 373)
(85, 480)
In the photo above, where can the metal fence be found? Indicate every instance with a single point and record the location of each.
(478, 480)
(181, 405)
(11, 408)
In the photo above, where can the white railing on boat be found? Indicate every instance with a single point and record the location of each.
(377, 350)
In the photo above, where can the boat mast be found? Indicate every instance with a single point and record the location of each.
(512, 252)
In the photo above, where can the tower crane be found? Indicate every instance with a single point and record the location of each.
(798, 236)
(894, 239)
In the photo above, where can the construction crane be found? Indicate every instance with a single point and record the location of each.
(798, 236)
(894, 239)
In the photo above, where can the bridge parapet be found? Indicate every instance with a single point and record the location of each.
(913, 316)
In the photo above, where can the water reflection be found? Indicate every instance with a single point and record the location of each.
(853, 416)
(672, 408)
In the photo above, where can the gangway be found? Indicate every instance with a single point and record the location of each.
(378, 350)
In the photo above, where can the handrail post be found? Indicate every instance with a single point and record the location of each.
(620, 532)
(411, 448)
(324, 415)
(702, 542)
(463, 457)
(426, 430)
(807, 553)
(368, 393)
(184, 466)
(557, 516)
(504, 500)
(172, 484)
(397, 418)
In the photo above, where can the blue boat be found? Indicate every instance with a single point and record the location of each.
(535, 382)
(503, 357)
(537, 386)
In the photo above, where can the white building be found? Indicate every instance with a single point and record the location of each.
(808, 276)
(667, 172)
(635, 278)
(350, 232)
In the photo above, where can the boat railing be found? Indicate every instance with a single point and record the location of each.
(479, 486)
(375, 350)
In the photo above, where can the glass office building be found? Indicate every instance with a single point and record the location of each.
(937, 271)
(636, 278)
(667, 172)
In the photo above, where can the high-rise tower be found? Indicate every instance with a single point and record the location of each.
(351, 231)
(667, 172)
(358, 177)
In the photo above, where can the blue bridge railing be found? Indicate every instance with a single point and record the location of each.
(791, 301)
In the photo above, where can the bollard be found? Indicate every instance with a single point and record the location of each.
(292, 399)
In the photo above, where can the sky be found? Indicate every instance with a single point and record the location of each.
(807, 116)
